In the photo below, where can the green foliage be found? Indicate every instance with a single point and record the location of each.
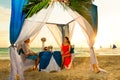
(82, 6)
(34, 6)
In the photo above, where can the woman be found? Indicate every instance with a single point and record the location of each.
(66, 55)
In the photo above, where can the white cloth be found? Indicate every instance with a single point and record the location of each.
(56, 33)
(32, 27)
(16, 64)
(71, 29)
(58, 15)
(88, 32)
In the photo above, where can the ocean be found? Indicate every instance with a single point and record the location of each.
(79, 52)
(4, 52)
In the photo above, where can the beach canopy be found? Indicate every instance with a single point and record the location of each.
(54, 17)
(56, 14)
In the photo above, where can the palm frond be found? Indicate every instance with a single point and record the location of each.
(34, 1)
(82, 6)
(34, 6)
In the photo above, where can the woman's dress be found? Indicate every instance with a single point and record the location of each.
(67, 60)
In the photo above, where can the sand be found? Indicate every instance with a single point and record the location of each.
(79, 71)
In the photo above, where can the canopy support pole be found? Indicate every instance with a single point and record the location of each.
(67, 30)
(64, 31)
(61, 27)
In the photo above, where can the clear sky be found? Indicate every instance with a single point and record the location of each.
(5, 3)
(108, 28)
(4, 22)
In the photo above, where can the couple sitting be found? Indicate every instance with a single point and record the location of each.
(67, 51)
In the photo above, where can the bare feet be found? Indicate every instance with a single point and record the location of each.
(96, 69)
(35, 68)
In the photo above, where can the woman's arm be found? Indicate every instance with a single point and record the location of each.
(61, 49)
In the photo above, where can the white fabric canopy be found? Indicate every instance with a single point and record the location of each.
(55, 32)
(55, 14)
(58, 15)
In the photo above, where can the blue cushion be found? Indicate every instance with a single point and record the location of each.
(72, 50)
(32, 57)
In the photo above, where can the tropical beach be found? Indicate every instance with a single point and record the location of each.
(79, 71)
(108, 60)
(59, 40)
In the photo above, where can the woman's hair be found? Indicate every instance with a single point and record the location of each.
(67, 39)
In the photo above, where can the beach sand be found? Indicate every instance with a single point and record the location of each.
(79, 71)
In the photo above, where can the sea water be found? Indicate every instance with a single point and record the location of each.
(4, 52)
(79, 52)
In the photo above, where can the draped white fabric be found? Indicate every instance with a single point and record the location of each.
(29, 29)
(27, 63)
(31, 26)
(55, 14)
(90, 38)
(16, 64)
(58, 15)
(88, 32)
(56, 33)
(71, 29)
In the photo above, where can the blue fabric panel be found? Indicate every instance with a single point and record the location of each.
(44, 60)
(40, 54)
(17, 19)
(58, 58)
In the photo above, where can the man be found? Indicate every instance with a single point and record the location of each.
(29, 54)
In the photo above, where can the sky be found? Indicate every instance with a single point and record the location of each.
(4, 22)
(108, 25)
